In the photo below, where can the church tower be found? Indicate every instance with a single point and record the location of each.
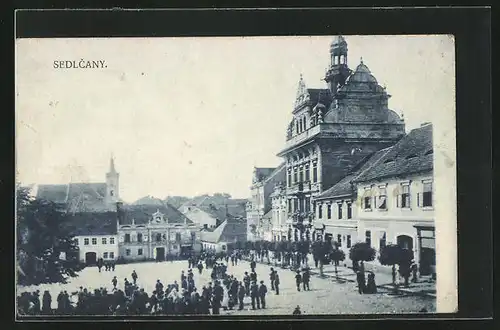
(338, 72)
(112, 184)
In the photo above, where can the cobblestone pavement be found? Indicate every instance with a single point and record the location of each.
(327, 296)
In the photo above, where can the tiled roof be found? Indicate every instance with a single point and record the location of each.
(412, 154)
(143, 213)
(277, 171)
(344, 186)
(228, 231)
(52, 192)
(93, 223)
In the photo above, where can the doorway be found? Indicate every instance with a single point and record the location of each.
(427, 260)
(90, 258)
(160, 254)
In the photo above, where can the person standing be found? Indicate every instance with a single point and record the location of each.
(252, 265)
(306, 277)
(253, 277)
(262, 294)
(99, 264)
(272, 275)
(277, 282)
(241, 295)
(134, 276)
(298, 280)
(114, 281)
(246, 281)
(360, 278)
(217, 299)
(46, 303)
(254, 295)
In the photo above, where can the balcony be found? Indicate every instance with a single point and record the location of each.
(298, 188)
(350, 130)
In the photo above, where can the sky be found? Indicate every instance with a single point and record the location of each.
(189, 116)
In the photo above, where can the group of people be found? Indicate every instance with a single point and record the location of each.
(108, 265)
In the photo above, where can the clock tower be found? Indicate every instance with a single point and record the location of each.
(112, 184)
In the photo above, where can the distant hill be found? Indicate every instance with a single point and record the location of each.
(148, 200)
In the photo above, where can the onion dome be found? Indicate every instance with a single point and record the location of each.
(338, 43)
(362, 75)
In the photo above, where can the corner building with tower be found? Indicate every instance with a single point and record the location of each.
(333, 129)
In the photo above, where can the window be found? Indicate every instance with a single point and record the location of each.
(105, 255)
(329, 211)
(85, 241)
(301, 174)
(127, 238)
(300, 125)
(289, 178)
(382, 199)
(382, 241)
(94, 241)
(405, 197)
(139, 237)
(368, 239)
(290, 206)
(308, 176)
(427, 194)
(193, 236)
(111, 240)
(111, 255)
(340, 210)
(178, 237)
(320, 211)
(295, 179)
(367, 203)
(297, 127)
(158, 237)
(308, 204)
(315, 172)
(104, 240)
(339, 239)
(127, 252)
(349, 211)
(139, 252)
(295, 205)
(348, 242)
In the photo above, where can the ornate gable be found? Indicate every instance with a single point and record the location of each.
(302, 93)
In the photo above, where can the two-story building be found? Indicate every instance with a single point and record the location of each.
(332, 130)
(209, 212)
(96, 236)
(263, 182)
(395, 198)
(336, 208)
(149, 232)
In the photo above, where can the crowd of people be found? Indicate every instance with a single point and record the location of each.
(225, 291)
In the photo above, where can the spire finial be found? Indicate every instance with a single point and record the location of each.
(361, 59)
(112, 164)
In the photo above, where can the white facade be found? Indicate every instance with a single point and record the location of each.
(390, 210)
(280, 225)
(340, 219)
(98, 246)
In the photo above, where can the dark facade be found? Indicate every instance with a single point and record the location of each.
(332, 130)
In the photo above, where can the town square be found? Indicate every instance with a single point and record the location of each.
(168, 205)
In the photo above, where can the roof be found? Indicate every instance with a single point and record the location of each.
(268, 215)
(412, 154)
(261, 173)
(278, 170)
(228, 231)
(78, 196)
(320, 95)
(92, 223)
(344, 187)
(141, 214)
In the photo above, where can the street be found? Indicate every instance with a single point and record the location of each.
(326, 295)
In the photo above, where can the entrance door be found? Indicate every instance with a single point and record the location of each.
(160, 254)
(90, 258)
(427, 259)
(186, 251)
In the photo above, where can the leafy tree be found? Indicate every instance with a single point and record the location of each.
(43, 237)
(390, 256)
(336, 256)
(362, 252)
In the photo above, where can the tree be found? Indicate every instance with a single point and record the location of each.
(390, 256)
(336, 256)
(43, 237)
(362, 252)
